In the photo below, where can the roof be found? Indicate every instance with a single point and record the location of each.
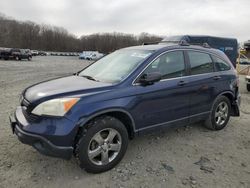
(177, 38)
(169, 46)
(153, 47)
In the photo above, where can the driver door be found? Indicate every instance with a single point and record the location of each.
(167, 101)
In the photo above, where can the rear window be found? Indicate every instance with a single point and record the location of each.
(220, 65)
(200, 62)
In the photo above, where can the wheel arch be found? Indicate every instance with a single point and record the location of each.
(230, 95)
(121, 114)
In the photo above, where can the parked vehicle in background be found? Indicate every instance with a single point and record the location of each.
(90, 55)
(244, 61)
(34, 52)
(93, 113)
(248, 82)
(228, 45)
(5, 53)
(17, 54)
(95, 56)
(84, 54)
(81, 56)
(42, 53)
(28, 53)
(53, 53)
(63, 53)
(20, 54)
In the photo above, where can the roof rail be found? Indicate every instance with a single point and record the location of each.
(149, 43)
(206, 45)
(184, 43)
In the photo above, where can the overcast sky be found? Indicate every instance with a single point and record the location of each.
(229, 18)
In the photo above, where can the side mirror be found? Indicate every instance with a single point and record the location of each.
(150, 78)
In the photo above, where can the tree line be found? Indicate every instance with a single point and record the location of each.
(29, 35)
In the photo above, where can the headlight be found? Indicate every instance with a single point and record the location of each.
(55, 107)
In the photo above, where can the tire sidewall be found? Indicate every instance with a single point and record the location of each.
(100, 124)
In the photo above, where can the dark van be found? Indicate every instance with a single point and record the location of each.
(228, 45)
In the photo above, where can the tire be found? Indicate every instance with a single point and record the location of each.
(29, 58)
(248, 87)
(17, 58)
(219, 107)
(98, 137)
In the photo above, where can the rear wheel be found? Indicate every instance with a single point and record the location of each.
(102, 145)
(220, 114)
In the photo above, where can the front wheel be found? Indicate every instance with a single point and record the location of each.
(220, 114)
(102, 145)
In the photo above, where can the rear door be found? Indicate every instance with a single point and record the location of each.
(203, 81)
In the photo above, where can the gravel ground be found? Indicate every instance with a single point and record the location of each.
(191, 156)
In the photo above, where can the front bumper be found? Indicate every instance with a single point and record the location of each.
(40, 143)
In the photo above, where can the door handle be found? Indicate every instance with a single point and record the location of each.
(182, 83)
(216, 77)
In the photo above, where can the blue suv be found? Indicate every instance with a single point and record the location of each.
(93, 113)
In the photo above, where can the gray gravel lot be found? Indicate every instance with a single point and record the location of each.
(190, 156)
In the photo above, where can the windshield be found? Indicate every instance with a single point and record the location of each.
(116, 66)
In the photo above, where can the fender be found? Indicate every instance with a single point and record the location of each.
(82, 121)
(227, 92)
(234, 102)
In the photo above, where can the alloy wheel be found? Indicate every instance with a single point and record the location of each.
(221, 113)
(104, 146)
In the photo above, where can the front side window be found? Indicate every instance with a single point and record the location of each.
(170, 65)
(200, 62)
(220, 65)
(116, 66)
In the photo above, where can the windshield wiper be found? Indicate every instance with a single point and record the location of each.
(90, 78)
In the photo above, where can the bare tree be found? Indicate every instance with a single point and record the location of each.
(16, 34)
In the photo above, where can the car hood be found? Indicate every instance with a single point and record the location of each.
(66, 86)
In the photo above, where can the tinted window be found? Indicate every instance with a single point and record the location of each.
(220, 65)
(200, 62)
(170, 65)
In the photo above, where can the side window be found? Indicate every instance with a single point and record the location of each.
(220, 65)
(170, 65)
(200, 62)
